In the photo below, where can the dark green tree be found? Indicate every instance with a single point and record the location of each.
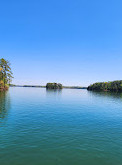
(5, 72)
(54, 86)
(114, 86)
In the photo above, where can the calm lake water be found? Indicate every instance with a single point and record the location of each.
(68, 127)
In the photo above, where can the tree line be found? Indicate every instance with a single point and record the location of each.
(114, 86)
(5, 74)
(54, 86)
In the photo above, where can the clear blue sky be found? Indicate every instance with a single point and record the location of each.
(75, 42)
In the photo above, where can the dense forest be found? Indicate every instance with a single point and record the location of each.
(5, 74)
(114, 86)
(54, 86)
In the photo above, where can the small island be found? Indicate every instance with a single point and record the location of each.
(112, 86)
(54, 86)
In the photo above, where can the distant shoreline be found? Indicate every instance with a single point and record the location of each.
(39, 86)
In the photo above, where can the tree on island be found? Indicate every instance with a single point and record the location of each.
(54, 86)
(5, 74)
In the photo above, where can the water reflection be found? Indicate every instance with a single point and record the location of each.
(4, 104)
(53, 92)
(115, 95)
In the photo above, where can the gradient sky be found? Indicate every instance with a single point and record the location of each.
(74, 42)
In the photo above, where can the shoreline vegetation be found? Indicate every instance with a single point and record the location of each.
(111, 86)
(41, 86)
(5, 74)
(54, 86)
(6, 79)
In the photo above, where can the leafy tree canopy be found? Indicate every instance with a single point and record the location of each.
(5, 73)
(106, 86)
(54, 86)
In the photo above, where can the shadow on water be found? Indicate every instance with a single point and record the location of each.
(115, 95)
(4, 104)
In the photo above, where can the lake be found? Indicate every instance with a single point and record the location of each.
(68, 127)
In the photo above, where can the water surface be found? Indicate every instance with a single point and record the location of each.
(68, 127)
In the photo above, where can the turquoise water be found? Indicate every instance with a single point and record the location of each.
(68, 127)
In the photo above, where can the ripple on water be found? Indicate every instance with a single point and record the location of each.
(60, 128)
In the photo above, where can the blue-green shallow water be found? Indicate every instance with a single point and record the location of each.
(68, 127)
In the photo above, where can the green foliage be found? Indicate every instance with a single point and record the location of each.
(54, 86)
(106, 86)
(5, 73)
